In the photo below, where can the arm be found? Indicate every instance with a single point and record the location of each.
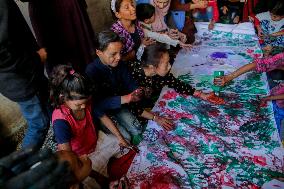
(276, 34)
(63, 134)
(215, 11)
(276, 97)
(162, 38)
(163, 122)
(178, 85)
(110, 125)
(221, 81)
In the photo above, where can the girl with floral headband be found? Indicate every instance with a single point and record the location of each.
(128, 29)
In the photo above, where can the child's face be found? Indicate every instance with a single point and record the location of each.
(161, 3)
(127, 10)
(276, 17)
(76, 105)
(150, 20)
(164, 66)
(111, 55)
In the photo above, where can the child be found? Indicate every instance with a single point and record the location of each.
(73, 123)
(261, 65)
(211, 13)
(128, 29)
(146, 15)
(230, 11)
(270, 25)
(152, 73)
(114, 85)
(159, 24)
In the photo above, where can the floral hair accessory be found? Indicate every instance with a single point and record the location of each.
(71, 72)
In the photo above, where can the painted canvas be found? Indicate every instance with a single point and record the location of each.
(235, 145)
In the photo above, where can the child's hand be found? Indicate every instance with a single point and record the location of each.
(137, 94)
(167, 124)
(43, 54)
(212, 98)
(132, 97)
(225, 9)
(211, 25)
(174, 34)
(201, 4)
(185, 46)
(267, 50)
(236, 20)
(148, 41)
(182, 37)
(260, 32)
(222, 81)
(125, 144)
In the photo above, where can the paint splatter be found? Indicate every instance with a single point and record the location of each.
(216, 55)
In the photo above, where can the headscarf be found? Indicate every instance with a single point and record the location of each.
(159, 23)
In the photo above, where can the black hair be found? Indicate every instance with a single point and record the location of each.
(152, 54)
(144, 11)
(278, 8)
(118, 5)
(105, 38)
(63, 81)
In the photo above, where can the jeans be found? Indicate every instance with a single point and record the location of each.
(38, 119)
(126, 122)
(206, 16)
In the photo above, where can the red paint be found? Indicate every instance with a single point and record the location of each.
(170, 95)
(162, 104)
(213, 113)
(250, 51)
(237, 105)
(259, 160)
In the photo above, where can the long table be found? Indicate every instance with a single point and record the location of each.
(235, 145)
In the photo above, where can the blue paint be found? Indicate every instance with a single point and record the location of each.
(216, 55)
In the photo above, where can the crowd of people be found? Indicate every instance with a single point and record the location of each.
(97, 91)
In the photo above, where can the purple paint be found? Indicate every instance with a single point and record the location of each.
(216, 55)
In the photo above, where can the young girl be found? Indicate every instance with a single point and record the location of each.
(128, 29)
(262, 65)
(270, 25)
(159, 24)
(152, 73)
(231, 11)
(211, 13)
(73, 123)
(146, 15)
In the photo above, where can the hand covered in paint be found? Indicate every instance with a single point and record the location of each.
(132, 97)
(210, 97)
(125, 144)
(222, 81)
(167, 124)
(30, 168)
